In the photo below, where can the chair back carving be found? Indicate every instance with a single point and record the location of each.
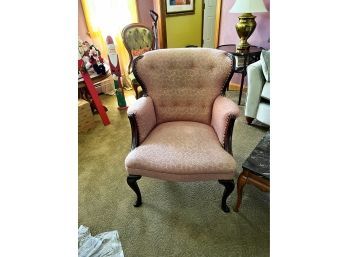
(184, 82)
(137, 39)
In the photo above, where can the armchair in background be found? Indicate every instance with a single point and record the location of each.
(258, 95)
(137, 39)
(182, 126)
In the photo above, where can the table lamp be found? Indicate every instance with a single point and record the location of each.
(247, 24)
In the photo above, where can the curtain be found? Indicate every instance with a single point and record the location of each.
(109, 17)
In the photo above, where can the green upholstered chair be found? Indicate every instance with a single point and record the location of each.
(137, 39)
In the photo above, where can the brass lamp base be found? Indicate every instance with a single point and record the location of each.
(245, 27)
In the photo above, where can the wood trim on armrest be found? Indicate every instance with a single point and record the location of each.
(228, 134)
(229, 77)
(135, 130)
(135, 72)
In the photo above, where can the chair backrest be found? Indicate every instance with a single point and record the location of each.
(137, 39)
(184, 82)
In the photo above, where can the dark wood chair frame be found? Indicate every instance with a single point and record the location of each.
(130, 67)
(228, 184)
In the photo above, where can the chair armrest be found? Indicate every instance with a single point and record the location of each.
(224, 114)
(256, 81)
(142, 118)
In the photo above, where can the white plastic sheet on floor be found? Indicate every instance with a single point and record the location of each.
(105, 244)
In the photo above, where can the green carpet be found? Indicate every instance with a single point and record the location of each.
(176, 218)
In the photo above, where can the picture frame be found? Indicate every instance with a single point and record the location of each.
(180, 7)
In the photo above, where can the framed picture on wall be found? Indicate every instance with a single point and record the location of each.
(180, 7)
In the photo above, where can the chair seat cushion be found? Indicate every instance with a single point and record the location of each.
(265, 91)
(181, 151)
(263, 113)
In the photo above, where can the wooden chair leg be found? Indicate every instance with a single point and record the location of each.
(229, 186)
(249, 120)
(132, 182)
(242, 180)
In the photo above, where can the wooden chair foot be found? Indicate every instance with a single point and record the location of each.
(229, 186)
(242, 180)
(132, 182)
(249, 120)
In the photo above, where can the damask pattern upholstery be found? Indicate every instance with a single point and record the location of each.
(145, 115)
(182, 126)
(223, 111)
(183, 82)
(138, 39)
(181, 151)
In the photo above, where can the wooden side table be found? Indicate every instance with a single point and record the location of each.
(255, 169)
(250, 56)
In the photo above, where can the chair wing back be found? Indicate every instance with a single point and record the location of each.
(137, 39)
(183, 82)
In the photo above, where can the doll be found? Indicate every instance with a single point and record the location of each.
(96, 60)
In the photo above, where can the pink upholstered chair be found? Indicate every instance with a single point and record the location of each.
(182, 127)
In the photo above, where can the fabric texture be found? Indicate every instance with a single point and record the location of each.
(181, 151)
(183, 82)
(144, 115)
(258, 88)
(256, 80)
(223, 110)
(263, 113)
(266, 91)
(138, 39)
(105, 244)
(138, 52)
(265, 62)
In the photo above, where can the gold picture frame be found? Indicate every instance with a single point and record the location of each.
(180, 7)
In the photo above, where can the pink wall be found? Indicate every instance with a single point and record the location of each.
(144, 6)
(82, 24)
(228, 33)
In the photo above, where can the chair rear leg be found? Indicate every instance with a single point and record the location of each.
(249, 120)
(132, 182)
(229, 186)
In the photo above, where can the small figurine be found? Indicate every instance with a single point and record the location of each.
(96, 60)
(84, 53)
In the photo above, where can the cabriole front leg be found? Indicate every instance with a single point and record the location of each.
(132, 182)
(229, 186)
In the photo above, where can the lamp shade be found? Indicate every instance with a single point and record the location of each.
(248, 6)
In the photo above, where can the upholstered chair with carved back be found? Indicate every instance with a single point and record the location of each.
(137, 39)
(182, 126)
